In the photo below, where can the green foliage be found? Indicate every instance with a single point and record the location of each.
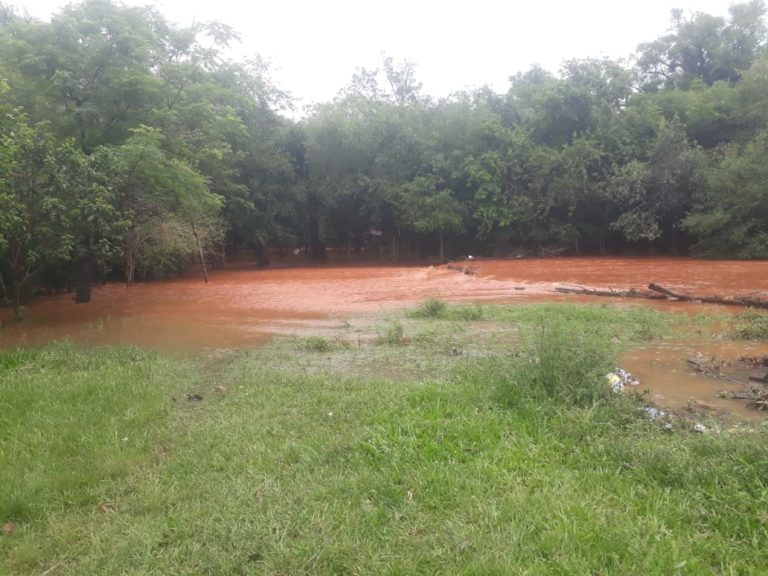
(394, 335)
(731, 213)
(752, 325)
(430, 308)
(705, 47)
(129, 142)
(472, 312)
(317, 344)
(561, 363)
(438, 309)
(323, 344)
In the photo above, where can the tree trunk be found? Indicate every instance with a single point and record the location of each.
(200, 252)
(131, 241)
(4, 287)
(17, 300)
(83, 279)
(442, 248)
(261, 257)
(673, 241)
(19, 275)
(316, 246)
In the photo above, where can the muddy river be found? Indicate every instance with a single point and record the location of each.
(243, 305)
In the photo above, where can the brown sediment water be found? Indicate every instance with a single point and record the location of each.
(243, 305)
(663, 371)
(700, 277)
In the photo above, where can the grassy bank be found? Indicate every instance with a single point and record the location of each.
(451, 441)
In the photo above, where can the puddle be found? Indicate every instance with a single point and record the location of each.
(663, 370)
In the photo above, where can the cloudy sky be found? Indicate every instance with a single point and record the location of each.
(315, 46)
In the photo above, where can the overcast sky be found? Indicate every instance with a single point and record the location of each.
(314, 46)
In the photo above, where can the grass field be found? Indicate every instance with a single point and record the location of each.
(446, 440)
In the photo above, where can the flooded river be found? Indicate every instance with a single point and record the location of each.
(243, 305)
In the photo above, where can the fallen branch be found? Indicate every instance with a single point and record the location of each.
(631, 293)
(657, 292)
(736, 301)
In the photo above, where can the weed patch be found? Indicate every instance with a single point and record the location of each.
(751, 325)
(394, 335)
(430, 308)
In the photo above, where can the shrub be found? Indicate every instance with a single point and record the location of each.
(430, 308)
(752, 325)
(561, 363)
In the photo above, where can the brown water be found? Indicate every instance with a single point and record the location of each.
(243, 305)
(663, 370)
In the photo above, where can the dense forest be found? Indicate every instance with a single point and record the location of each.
(130, 147)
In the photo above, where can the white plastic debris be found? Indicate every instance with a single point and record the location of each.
(619, 378)
(654, 413)
(627, 378)
(614, 381)
(700, 428)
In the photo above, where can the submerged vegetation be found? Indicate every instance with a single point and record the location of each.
(471, 447)
(130, 146)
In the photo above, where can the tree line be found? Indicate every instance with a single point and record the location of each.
(130, 146)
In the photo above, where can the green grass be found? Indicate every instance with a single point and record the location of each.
(434, 308)
(360, 461)
(751, 325)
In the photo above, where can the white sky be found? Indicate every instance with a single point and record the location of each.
(315, 45)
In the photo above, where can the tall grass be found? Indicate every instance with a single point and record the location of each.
(751, 325)
(435, 308)
(554, 362)
(430, 308)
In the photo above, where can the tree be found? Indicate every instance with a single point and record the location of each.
(730, 213)
(704, 47)
(428, 207)
(52, 209)
(157, 193)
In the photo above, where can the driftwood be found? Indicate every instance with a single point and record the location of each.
(656, 292)
(631, 293)
(728, 301)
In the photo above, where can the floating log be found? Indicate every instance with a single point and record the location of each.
(656, 292)
(631, 293)
(745, 301)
